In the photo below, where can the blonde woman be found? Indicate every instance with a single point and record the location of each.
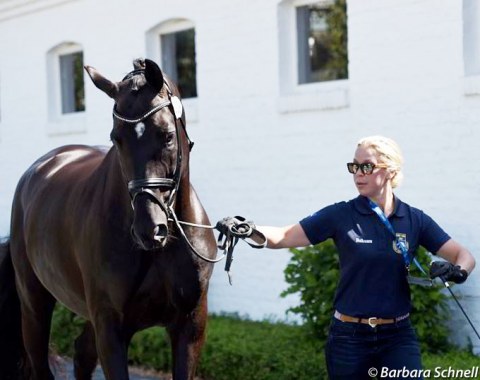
(371, 327)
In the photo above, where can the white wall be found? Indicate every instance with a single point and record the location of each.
(257, 153)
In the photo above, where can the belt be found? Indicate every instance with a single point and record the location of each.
(372, 321)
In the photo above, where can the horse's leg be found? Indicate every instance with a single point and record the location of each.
(86, 357)
(37, 307)
(112, 346)
(187, 337)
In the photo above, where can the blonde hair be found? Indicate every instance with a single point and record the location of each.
(388, 153)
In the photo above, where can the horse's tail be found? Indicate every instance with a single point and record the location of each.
(12, 351)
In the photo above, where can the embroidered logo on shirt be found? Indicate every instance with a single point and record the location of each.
(357, 238)
(401, 238)
(363, 241)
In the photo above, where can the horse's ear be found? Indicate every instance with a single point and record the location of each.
(108, 87)
(153, 74)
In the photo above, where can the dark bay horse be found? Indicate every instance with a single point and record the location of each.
(92, 228)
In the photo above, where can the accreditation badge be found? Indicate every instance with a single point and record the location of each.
(402, 239)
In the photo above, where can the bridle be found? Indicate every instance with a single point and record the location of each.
(148, 186)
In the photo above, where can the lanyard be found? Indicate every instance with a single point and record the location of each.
(399, 244)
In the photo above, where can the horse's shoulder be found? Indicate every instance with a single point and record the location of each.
(68, 154)
(72, 160)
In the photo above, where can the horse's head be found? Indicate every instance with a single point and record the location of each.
(150, 147)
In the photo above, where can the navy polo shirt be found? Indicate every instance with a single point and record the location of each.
(373, 279)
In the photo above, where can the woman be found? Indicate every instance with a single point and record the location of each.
(371, 326)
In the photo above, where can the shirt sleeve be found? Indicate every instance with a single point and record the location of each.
(432, 236)
(321, 225)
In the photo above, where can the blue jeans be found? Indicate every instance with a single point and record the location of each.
(356, 351)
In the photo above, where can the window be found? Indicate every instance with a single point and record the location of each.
(172, 44)
(66, 92)
(71, 82)
(313, 55)
(178, 60)
(322, 42)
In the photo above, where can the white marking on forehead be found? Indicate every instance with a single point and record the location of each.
(140, 129)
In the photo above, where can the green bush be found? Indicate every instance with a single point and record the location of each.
(313, 272)
(235, 349)
(239, 349)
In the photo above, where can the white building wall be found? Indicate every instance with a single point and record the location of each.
(257, 152)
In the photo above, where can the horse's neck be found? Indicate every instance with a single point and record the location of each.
(188, 207)
(114, 186)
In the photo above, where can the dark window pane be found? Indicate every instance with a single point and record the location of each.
(71, 77)
(322, 42)
(178, 60)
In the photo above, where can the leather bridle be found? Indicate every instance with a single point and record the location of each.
(148, 186)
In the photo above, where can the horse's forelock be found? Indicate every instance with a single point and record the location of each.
(136, 80)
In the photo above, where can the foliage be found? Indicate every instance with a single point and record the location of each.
(239, 349)
(66, 326)
(337, 26)
(313, 273)
(235, 349)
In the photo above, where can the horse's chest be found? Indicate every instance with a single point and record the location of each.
(165, 294)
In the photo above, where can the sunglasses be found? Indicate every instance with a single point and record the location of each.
(367, 168)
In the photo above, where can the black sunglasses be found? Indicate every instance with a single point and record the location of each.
(367, 168)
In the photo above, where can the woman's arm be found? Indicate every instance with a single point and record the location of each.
(285, 237)
(457, 255)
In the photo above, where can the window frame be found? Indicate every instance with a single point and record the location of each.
(471, 49)
(293, 96)
(59, 122)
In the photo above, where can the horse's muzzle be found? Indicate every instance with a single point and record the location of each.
(155, 239)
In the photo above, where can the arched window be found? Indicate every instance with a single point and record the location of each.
(65, 78)
(172, 44)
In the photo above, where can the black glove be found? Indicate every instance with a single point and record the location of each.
(236, 225)
(448, 272)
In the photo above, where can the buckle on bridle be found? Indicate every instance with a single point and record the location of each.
(371, 322)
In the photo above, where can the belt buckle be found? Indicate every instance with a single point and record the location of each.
(371, 322)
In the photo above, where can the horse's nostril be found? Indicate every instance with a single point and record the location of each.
(160, 232)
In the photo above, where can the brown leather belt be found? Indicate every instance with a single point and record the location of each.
(372, 321)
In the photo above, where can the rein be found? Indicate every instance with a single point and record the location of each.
(227, 239)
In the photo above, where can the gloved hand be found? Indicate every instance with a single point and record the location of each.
(448, 272)
(236, 225)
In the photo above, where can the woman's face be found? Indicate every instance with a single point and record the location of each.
(370, 185)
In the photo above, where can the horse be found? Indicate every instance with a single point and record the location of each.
(97, 230)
